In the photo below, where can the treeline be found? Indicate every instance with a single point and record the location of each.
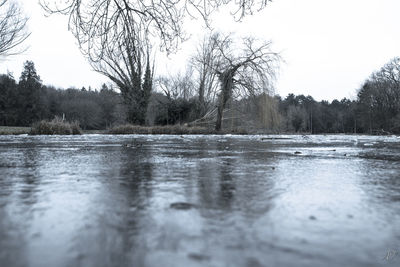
(27, 101)
(376, 110)
(304, 114)
(175, 101)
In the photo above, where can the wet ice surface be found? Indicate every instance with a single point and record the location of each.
(97, 200)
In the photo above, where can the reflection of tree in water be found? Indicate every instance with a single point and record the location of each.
(19, 188)
(20, 174)
(236, 180)
(226, 184)
(136, 174)
(380, 181)
(30, 176)
(215, 182)
(114, 236)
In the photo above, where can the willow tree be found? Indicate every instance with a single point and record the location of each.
(13, 28)
(245, 68)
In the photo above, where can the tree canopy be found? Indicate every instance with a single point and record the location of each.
(379, 99)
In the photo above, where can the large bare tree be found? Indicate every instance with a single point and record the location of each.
(126, 60)
(117, 45)
(245, 68)
(13, 28)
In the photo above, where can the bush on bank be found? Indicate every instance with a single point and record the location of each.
(56, 126)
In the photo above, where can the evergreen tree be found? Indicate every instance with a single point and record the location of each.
(7, 100)
(30, 103)
(147, 87)
(136, 96)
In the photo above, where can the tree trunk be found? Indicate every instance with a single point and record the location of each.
(226, 79)
(201, 91)
(220, 111)
(201, 97)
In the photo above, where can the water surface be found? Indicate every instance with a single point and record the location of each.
(98, 200)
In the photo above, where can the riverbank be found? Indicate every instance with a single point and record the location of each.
(166, 130)
(133, 129)
(7, 130)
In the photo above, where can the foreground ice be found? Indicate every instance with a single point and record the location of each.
(98, 200)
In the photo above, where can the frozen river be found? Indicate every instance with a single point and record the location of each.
(99, 200)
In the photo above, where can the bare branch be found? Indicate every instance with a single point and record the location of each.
(162, 19)
(13, 30)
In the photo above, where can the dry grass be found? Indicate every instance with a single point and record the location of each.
(7, 130)
(56, 126)
(173, 129)
(59, 127)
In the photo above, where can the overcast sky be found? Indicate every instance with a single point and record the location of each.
(329, 47)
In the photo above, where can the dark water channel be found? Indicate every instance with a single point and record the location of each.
(98, 200)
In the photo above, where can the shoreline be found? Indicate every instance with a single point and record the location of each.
(169, 130)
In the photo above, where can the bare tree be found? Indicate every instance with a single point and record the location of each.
(177, 86)
(126, 61)
(204, 62)
(246, 70)
(379, 98)
(117, 45)
(13, 30)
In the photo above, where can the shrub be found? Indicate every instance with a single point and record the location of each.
(56, 126)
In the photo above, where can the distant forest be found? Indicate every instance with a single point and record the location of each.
(173, 100)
